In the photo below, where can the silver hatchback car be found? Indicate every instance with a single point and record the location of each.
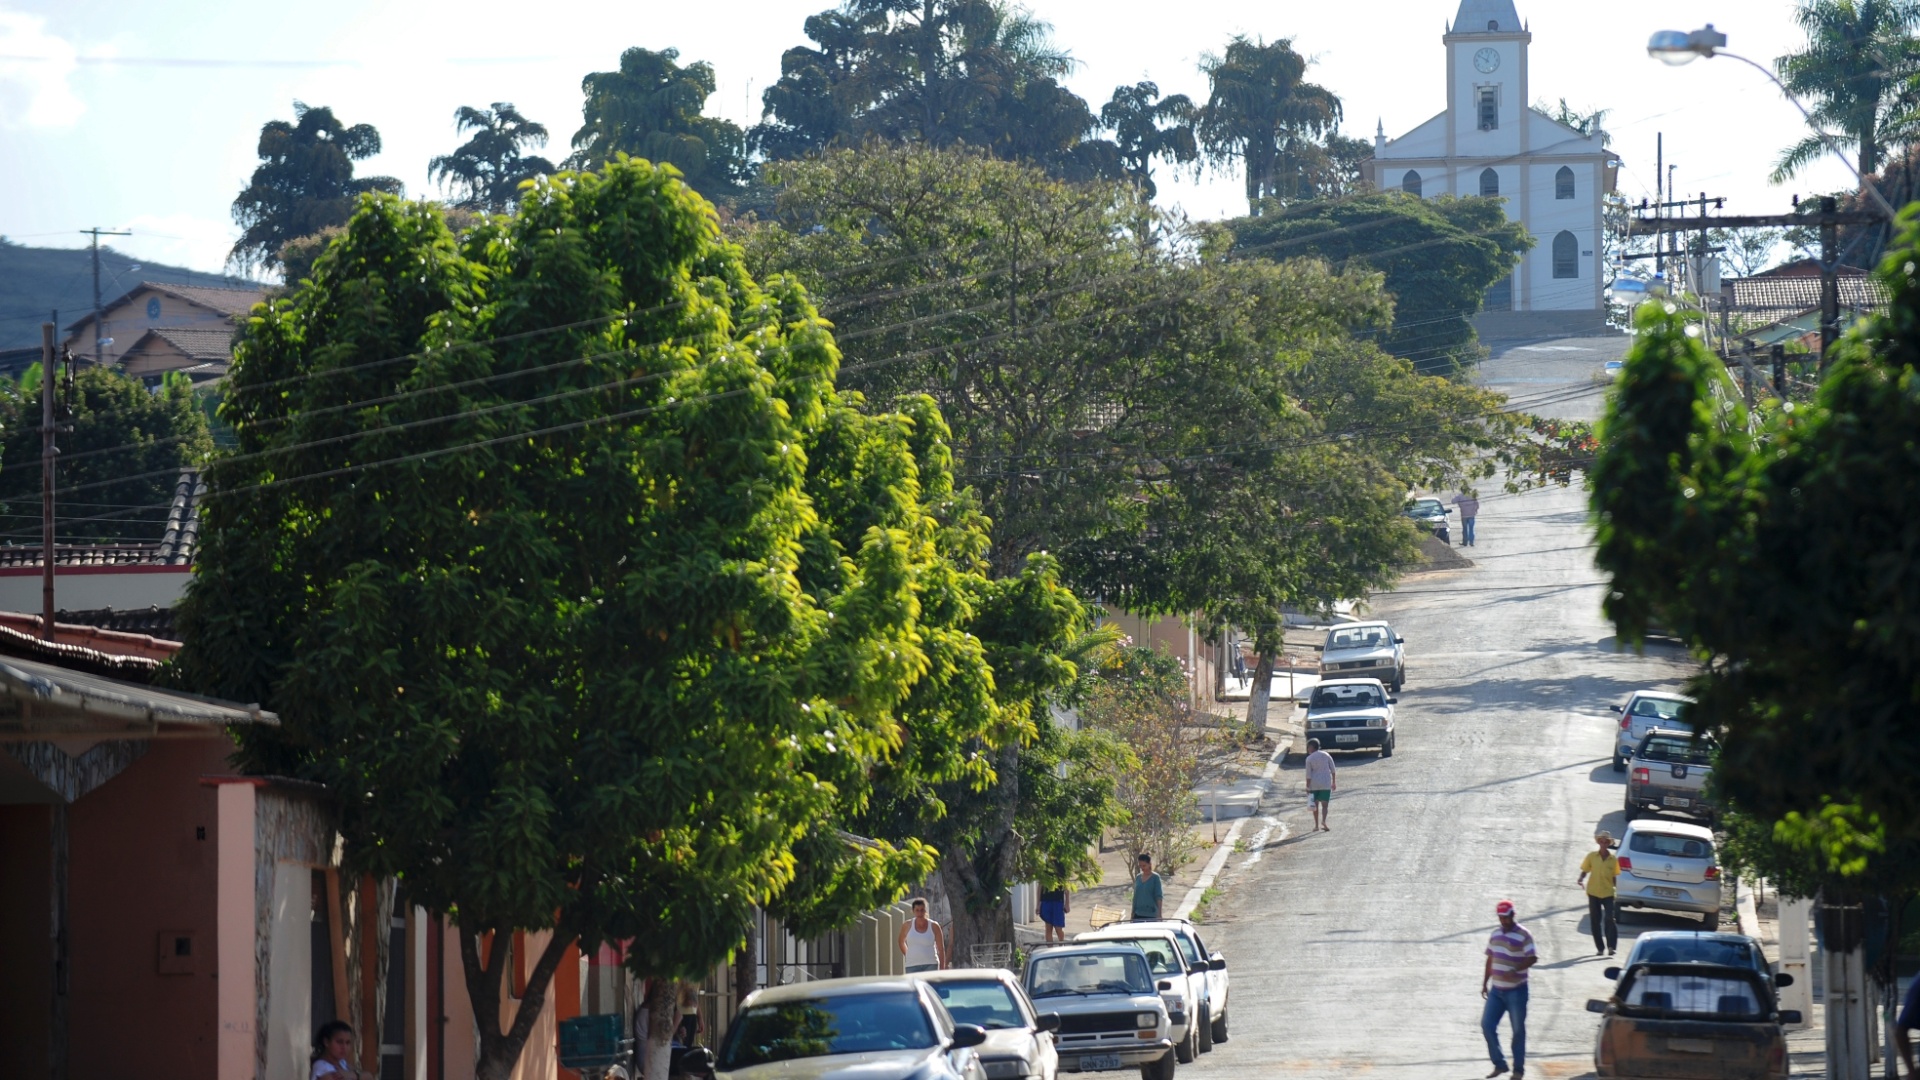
(1670, 866)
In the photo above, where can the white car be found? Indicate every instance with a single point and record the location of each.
(1183, 989)
(874, 1028)
(1643, 711)
(1670, 866)
(1365, 650)
(1111, 1015)
(1019, 1042)
(1351, 714)
(1198, 955)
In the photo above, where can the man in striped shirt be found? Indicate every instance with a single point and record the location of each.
(1504, 985)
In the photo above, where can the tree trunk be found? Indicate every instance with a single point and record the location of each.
(500, 1048)
(1262, 689)
(663, 1015)
(978, 882)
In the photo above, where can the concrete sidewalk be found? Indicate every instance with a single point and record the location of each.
(1759, 918)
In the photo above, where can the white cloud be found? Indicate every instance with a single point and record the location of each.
(34, 68)
(178, 240)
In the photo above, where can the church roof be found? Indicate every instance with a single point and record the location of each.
(1486, 17)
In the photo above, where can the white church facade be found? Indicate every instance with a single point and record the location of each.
(1490, 141)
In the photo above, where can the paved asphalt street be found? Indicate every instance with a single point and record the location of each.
(1358, 951)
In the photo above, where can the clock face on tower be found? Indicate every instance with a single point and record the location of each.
(1486, 60)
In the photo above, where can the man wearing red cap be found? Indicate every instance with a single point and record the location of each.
(1504, 985)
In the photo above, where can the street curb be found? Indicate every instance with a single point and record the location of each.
(1225, 848)
(1745, 913)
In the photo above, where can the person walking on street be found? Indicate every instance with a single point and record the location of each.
(1469, 509)
(1504, 984)
(1908, 1020)
(921, 941)
(1597, 872)
(1320, 784)
(1149, 892)
(333, 1054)
(1054, 905)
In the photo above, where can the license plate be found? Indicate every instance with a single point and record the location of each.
(1669, 894)
(1100, 1062)
(1690, 1046)
(1675, 800)
(1346, 738)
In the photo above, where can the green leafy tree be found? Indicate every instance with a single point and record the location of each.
(1746, 252)
(1264, 118)
(1859, 58)
(1589, 122)
(1780, 546)
(1438, 256)
(122, 447)
(538, 541)
(1147, 127)
(303, 184)
(486, 172)
(652, 108)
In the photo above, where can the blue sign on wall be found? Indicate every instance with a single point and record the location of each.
(153, 308)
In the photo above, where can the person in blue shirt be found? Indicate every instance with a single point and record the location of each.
(1148, 891)
(1908, 1020)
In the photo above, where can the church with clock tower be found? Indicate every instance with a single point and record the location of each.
(1490, 141)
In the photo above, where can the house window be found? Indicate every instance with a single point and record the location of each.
(1410, 183)
(1489, 182)
(1566, 256)
(1563, 183)
(1499, 295)
(1489, 109)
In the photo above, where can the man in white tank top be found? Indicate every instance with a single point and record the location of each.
(921, 942)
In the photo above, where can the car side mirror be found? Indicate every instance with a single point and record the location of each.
(1789, 1016)
(697, 1059)
(1595, 1005)
(1613, 708)
(1217, 962)
(1783, 980)
(1611, 973)
(1166, 984)
(1393, 701)
(1047, 1022)
(1398, 640)
(965, 1035)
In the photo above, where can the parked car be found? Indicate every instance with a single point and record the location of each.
(1351, 714)
(1700, 947)
(1111, 1015)
(1019, 1042)
(1613, 368)
(1430, 515)
(1365, 650)
(1668, 771)
(1185, 998)
(1688, 1021)
(1643, 711)
(1670, 866)
(1198, 955)
(887, 1028)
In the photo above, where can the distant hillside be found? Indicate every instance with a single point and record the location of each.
(35, 281)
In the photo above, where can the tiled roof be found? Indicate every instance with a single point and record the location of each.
(182, 535)
(174, 548)
(200, 343)
(13, 555)
(66, 694)
(1775, 296)
(153, 622)
(231, 303)
(1806, 268)
(144, 632)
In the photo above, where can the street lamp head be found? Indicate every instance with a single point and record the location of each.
(1676, 47)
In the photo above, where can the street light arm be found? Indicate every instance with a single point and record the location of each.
(1879, 199)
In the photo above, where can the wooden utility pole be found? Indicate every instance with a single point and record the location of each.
(47, 453)
(1829, 218)
(99, 329)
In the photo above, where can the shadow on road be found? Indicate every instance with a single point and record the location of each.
(1604, 774)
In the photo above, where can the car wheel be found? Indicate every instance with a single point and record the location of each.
(1631, 809)
(1710, 921)
(1184, 1050)
(1386, 748)
(1159, 1070)
(1619, 763)
(1205, 1029)
(1220, 1028)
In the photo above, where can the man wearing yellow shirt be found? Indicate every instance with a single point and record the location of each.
(1597, 872)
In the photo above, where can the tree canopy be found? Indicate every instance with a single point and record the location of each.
(486, 171)
(1855, 68)
(1438, 257)
(582, 588)
(1781, 548)
(303, 184)
(1263, 117)
(651, 107)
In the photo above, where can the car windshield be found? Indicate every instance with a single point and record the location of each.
(1670, 846)
(1345, 697)
(1721, 994)
(1163, 956)
(1675, 751)
(817, 1027)
(1661, 708)
(1357, 637)
(988, 1003)
(1725, 952)
(1084, 973)
(1424, 508)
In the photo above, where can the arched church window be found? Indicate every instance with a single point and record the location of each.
(1493, 26)
(1489, 109)
(1410, 183)
(1563, 183)
(1489, 182)
(1566, 256)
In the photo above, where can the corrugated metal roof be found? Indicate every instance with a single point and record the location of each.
(61, 698)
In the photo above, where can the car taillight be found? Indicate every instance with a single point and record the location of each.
(1713, 873)
(1625, 863)
(1626, 722)
(1642, 776)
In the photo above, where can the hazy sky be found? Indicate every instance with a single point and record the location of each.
(144, 115)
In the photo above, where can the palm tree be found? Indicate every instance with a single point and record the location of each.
(485, 173)
(1856, 69)
(1263, 114)
(303, 184)
(1146, 126)
(652, 108)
